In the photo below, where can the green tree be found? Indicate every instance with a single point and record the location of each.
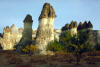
(76, 44)
(55, 46)
(65, 40)
(81, 44)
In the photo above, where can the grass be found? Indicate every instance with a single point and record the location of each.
(61, 59)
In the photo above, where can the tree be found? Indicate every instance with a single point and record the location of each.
(55, 46)
(81, 44)
(65, 39)
(76, 44)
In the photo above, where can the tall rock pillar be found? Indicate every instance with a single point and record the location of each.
(27, 33)
(45, 31)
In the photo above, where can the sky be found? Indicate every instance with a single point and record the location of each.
(14, 12)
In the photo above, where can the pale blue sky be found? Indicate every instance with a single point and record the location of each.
(14, 12)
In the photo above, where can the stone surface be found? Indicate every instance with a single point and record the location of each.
(10, 38)
(72, 27)
(26, 34)
(45, 31)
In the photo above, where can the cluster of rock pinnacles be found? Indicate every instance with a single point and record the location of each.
(44, 35)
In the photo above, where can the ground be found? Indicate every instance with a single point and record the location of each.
(13, 59)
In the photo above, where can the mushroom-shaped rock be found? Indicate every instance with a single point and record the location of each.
(28, 18)
(45, 31)
(47, 11)
(27, 33)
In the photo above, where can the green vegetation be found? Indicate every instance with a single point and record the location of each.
(55, 46)
(28, 49)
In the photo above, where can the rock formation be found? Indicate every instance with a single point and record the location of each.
(10, 38)
(72, 27)
(85, 25)
(66, 27)
(90, 26)
(45, 31)
(26, 33)
(57, 33)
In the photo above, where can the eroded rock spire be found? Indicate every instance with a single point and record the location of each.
(47, 11)
(45, 31)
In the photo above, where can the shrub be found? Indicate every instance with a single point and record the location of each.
(29, 49)
(55, 46)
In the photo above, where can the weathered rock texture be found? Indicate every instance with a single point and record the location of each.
(26, 34)
(10, 38)
(45, 31)
(94, 37)
(72, 27)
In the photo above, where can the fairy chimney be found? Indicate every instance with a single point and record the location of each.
(45, 31)
(27, 33)
(73, 28)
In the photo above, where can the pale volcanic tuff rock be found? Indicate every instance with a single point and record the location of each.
(10, 38)
(72, 27)
(47, 12)
(45, 31)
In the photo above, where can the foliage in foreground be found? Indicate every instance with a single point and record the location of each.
(29, 49)
(55, 46)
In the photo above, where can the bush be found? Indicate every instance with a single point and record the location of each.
(29, 49)
(55, 46)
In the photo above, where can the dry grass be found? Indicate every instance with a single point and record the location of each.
(23, 65)
(38, 59)
(13, 59)
(61, 59)
(95, 53)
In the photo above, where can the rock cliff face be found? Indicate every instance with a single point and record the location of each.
(11, 37)
(45, 31)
